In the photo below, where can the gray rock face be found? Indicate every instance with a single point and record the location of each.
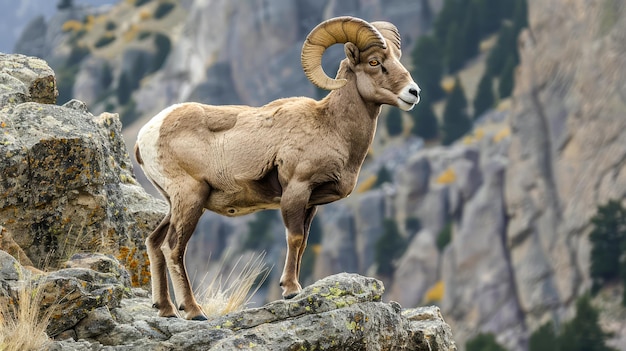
(24, 78)
(487, 301)
(338, 252)
(568, 152)
(417, 270)
(68, 184)
(341, 312)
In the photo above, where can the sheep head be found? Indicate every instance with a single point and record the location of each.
(373, 52)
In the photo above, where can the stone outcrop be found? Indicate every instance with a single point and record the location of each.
(25, 79)
(67, 183)
(93, 308)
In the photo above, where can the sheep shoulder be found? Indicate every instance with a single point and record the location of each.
(212, 118)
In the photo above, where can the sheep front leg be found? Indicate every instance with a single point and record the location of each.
(293, 206)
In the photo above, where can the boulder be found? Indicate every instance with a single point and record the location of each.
(341, 312)
(68, 184)
(25, 78)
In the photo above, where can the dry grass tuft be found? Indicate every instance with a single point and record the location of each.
(22, 326)
(233, 293)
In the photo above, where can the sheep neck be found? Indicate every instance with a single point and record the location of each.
(353, 118)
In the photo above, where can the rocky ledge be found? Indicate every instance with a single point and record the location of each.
(92, 307)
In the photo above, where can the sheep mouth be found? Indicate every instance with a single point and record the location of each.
(407, 105)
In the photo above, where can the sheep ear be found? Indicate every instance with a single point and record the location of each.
(352, 53)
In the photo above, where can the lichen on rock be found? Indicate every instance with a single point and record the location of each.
(68, 184)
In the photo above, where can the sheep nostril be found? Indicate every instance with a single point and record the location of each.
(413, 92)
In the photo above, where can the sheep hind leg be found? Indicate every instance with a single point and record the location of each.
(186, 212)
(160, 291)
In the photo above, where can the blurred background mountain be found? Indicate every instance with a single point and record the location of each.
(498, 198)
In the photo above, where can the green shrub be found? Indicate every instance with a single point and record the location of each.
(444, 237)
(260, 236)
(163, 48)
(163, 9)
(383, 176)
(393, 122)
(454, 50)
(456, 123)
(125, 88)
(104, 40)
(583, 333)
(65, 4)
(543, 339)
(389, 247)
(425, 123)
(412, 225)
(484, 99)
(144, 35)
(483, 342)
(608, 241)
(128, 113)
(77, 54)
(507, 78)
(107, 75)
(428, 69)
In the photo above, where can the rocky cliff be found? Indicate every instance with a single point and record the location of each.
(516, 194)
(568, 147)
(90, 305)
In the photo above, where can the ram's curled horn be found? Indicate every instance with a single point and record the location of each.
(333, 31)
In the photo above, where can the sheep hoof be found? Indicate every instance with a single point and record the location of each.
(199, 318)
(290, 296)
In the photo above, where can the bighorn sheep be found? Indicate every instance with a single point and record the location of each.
(292, 154)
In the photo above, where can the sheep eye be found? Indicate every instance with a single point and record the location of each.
(374, 63)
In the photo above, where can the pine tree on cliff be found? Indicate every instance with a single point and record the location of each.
(608, 241)
(425, 123)
(393, 122)
(455, 120)
(520, 16)
(484, 99)
(505, 46)
(390, 246)
(454, 51)
(471, 31)
(428, 66)
(484, 342)
(543, 339)
(507, 78)
(583, 333)
(452, 12)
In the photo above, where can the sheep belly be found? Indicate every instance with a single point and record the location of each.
(252, 196)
